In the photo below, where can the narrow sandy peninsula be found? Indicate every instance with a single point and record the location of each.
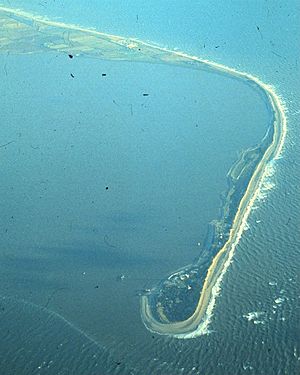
(25, 33)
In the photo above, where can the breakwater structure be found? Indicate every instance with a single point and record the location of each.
(181, 305)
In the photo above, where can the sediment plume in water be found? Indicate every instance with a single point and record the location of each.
(25, 33)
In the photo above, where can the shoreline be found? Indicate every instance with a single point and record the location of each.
(90, 42)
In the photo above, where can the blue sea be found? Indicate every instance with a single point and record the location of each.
(111, 176)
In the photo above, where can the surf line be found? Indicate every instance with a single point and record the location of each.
(132, 49)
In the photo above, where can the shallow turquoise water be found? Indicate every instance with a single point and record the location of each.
(263, 277)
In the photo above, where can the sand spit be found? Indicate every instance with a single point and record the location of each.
(25, 33)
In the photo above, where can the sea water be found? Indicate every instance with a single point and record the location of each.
(62, 276)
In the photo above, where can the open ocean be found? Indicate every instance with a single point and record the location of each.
(104, 192)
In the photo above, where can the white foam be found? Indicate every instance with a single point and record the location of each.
(246, 227)
(256, 317)
(279, 300)
(272, 283)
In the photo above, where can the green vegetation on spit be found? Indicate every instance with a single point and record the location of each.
(182, 304)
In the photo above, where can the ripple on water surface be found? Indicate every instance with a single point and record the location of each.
(38, 341)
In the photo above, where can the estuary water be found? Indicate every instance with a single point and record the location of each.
(114, 171)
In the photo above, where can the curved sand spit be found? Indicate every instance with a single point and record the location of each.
(25, 33)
